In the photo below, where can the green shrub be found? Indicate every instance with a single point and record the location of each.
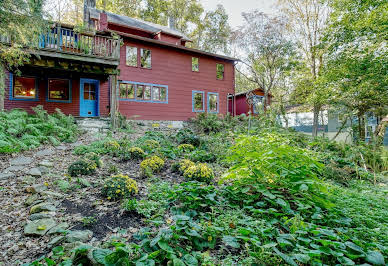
(181, 166)
(202, 156)
(82, 167)
(112, 146)
(187, 136)
(186, 147)
(21, 131)
(208, 122)
(119, 186)
(91, 156)
(133, 153)
(200, 172)
(151, 165)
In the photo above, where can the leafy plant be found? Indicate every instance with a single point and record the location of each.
(186, 147)
(88, 220)
(119, 186)
(82, 167)
(200, 172)
(151, 165)
(133, 153)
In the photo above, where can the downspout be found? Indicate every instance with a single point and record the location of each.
(234, 88)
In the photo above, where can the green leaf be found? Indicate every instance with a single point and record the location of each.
(191, 232)
(231, 241)
(303, 187)
(345, 261)
(375, 257)
(49, 262)
(190, 260)
(302, 257)
(164, 245)
(281, 202)
(100, 254)
(178, 262)
(354, 247)
(285, 257)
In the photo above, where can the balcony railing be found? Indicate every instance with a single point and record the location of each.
(65, 40)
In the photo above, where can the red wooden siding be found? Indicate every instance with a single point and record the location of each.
(67, 108)
(242, 106)
(172, 67)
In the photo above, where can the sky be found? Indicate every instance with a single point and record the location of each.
(234, 8)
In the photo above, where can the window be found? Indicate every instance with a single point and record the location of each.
(131, 56)
(145, 58)
(198, 101)
(195, 64)
(258, 107)
(220, 71)
(59, 90)
(127, 91)
(212, 102)
(24, 88)
(141, 92)
(90, 91)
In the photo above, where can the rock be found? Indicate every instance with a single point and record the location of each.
(62, 148)
(55, 241)
(60, 228)
(43, 169)
(46, 164)
(21, 160)
(29, 179)
(6, 175)
(39, 216)
(39, 227)
(38, 188)
(51, 194)
(45, 152)
(79, 236)
(35, 172)
(31, 199)
(14, 168)
(43, 207)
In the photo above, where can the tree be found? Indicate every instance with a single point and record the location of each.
(20, 23)
(213, 33)
(130, 8)
(357, 67)
(268, 52)
(306, 21)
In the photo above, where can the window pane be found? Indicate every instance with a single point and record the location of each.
(213, 103)
(24, 88)
(130, 91)
(145, 58)
(220, 71)
(198, 101)
(92, 95)
(163, 94)
(147, 93)
(139, 92)
(123, 90)
(194, 64)
(155, 94)
(131, 57)
(58, 89)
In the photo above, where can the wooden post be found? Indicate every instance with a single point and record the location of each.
(113, 100)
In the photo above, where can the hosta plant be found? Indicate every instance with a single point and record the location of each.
(200, 172)
(151, 165)
(119, 186)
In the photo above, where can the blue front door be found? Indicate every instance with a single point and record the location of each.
(89, 89)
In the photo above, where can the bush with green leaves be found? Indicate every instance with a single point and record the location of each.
(119, 186)
(186, 147)
(94, 157)
(151, 165)
(200, 172)
(187, 136)
(21, 131)
(82, 167)
(132, 153)
(181, 166)
(202, 156)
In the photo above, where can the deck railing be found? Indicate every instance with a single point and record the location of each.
(65, 40)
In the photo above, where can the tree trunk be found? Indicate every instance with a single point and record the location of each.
(361, 127)
(317, 109)
(113, 100)
(2, 87)
(380, 130)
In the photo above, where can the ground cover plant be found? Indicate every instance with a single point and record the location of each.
(21, 131)
(267, 198)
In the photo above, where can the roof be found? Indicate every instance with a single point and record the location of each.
(137, 23)
(245, 92)
(180, 47)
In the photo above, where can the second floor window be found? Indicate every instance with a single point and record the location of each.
(220, 71)
(131, 56)
(195, 64)
(145, 58)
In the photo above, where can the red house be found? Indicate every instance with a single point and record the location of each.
(137, 68)
(238, 104)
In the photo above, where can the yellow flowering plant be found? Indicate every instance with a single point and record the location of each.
(200, 172)
(112, 146)
(151, 165)
(186, 147)
(82, 167)
(119, 186)
(181, 166)
(132, 153)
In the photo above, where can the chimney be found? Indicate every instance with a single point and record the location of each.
(171, 22)
(88, 4)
